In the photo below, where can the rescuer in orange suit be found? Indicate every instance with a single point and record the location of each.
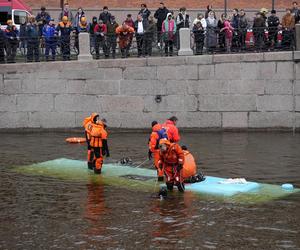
(154, 149)
(96, 135)
(172, 130)
(171, 160)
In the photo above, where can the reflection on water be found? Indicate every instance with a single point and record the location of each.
(43, 213)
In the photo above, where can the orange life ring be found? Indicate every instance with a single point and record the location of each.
(76, 140)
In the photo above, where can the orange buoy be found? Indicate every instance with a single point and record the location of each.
(76, 140)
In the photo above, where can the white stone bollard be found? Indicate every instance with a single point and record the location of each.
(84, 47)
(185, 42)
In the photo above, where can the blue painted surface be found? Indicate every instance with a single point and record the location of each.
(212, 185)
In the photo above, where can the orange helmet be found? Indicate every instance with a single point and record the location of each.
(164, 141)
(65, 19)
(9, 22)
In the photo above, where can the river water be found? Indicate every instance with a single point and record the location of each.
(39, 212)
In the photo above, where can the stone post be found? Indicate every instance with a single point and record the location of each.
(296, 53)
(297, 36)
(185, 42)
(84, 47)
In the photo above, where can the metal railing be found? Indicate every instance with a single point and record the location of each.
(206, 41)
(25, 49)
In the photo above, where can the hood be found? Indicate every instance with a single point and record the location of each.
(169, 14)
(156, 127)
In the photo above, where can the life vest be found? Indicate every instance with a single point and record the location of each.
(173, 156)
(96, 133)
(189, 166)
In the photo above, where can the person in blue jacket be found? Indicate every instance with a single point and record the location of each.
(50, 36)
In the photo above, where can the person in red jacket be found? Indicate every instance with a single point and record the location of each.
(172, 130)
(171, 160)
(154, 149)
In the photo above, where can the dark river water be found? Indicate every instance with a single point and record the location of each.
(39, 212)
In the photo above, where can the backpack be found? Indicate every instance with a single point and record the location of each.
(162, 134)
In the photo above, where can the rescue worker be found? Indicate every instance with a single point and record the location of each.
(65, 29)
(189, 171)
(124, 33)
(172, 130)
(171, 160)
(96, 135)
(154, 148)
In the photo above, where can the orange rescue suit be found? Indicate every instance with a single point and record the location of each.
(153, 147)
(172, 131)
(170, 160)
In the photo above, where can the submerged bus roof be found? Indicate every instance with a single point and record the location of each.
(14, 4)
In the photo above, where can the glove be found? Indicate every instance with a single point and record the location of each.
(149, 155)
(105, 148)
(179, 167)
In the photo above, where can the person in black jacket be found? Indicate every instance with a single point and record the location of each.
(140, 27)
(273, 23)
(105, 16)
(259, 25)
(160, 15)
(144, 12)
(33, 43)
(199, 37)
(2, 42)
(42, 19)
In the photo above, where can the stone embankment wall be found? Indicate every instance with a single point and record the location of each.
(209, 91)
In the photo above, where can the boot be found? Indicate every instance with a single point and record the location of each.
(180, 187)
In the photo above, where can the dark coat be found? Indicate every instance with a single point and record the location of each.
(160, 15)
(145, 13)
(105, 17)
(145, 25)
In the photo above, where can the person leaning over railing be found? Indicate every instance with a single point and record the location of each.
(273, 23)
(50, 36)
(288, 26)
(129, 21)
(124, 33)
(65, 28)
(112, 25)
(12, 41)
(33, 41)
(100, 36)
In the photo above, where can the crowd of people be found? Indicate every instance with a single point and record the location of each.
(209, 33)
